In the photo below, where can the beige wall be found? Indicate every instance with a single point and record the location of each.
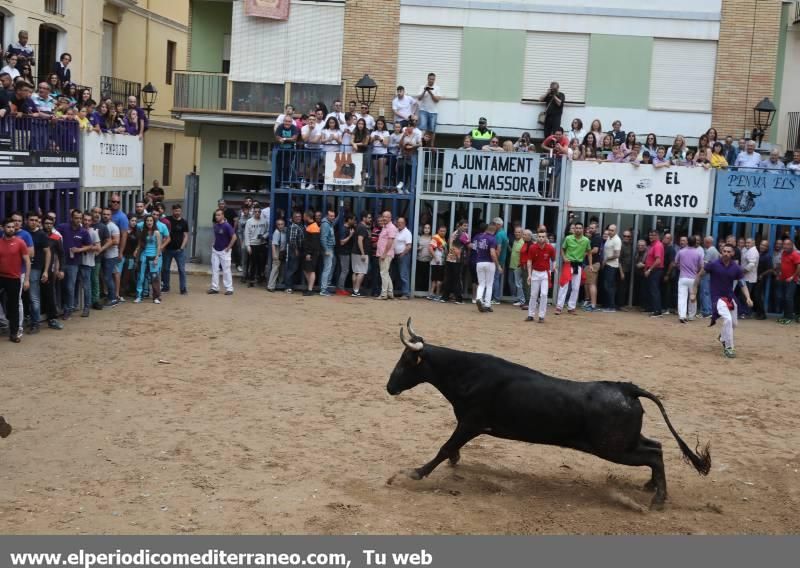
(790, 92)
(183, 150)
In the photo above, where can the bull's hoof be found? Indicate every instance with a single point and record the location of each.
(649, 486)
(5, 428)
(455, 458)
(414, 474)
(657, 504)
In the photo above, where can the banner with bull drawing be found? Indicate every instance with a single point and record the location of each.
(757, 194)
(343, 168)
(675, 190)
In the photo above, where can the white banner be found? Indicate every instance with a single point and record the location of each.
(495, 173)
(111, 160)
(675, 190)
(343, 169)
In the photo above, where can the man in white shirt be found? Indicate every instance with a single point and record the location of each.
(611, 252)
(402, 258)
(773, 164)
(338, 113)
(794, 166)
(410, 140)
(750, 258)
(427, 102)
(749, 158)
(368, 118)
(311, 133)
(402, 106)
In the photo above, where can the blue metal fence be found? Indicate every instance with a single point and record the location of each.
(26, 133)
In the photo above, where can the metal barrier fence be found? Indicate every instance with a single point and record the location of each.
(58, 200)
(102, 198)
(26, 133)
(306, 169)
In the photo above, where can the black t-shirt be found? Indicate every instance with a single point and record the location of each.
(177, 228)
(362, 231)
(597, 243)
(131, 243)
(41, 242)
(102, 231)
(554, 109)
(669, 256)
(341, 234)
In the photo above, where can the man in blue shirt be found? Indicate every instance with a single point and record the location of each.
(76, 241)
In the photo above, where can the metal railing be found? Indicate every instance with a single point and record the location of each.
(200, 91)
(793, 135)
(39, 134)
(305, 169)
(119, 89)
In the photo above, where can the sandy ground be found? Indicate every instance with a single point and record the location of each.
(272, 417)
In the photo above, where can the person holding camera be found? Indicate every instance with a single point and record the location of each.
(554, 107)
(427, 102)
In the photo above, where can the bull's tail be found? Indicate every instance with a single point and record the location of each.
(700, 460)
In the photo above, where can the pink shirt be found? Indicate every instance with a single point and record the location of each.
(383, 249)
(656, 250)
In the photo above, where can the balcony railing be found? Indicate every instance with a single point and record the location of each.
(197, 91)
(119, 89)
(200, 91)
(793, 136)
(39, 135)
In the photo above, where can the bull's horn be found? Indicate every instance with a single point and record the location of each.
(414, 346)
(412, 333)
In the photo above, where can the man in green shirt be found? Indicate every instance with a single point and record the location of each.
(514, 265)
(502, 253)
(574, 249)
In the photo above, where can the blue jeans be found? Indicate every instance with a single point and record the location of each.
(497, 289)
(327, 271)
(107, 266)
(404, 270)
(610, 286)
(180, 259)
(70, 284)
(519, 284)
(789, 290)
(85, 280)
(35, 296)
(705, 295)
(654, 285)
(148, 272)
(292, 264)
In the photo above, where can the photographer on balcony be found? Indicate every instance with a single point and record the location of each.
(554, 107)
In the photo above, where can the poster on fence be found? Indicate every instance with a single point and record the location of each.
(675, 190)
(757, 194)
(343, 169)
(111, 160)
(493, 173)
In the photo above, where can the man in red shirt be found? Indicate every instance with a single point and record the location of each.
(790, 276)
(653, 271)
(13, 254)
(557, 142)
(540, 260)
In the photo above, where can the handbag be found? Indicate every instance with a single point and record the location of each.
(543, 114)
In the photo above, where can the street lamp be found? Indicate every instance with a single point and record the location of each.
(366, 90)
(763, 113)
(149, 97)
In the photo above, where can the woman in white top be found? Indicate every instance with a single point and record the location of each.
(11, 67)
(347, 133)
(576, 131)
(331, 139)
(650, 144)
(394, 152)
(678, 149)
(379, 138)
(597, 128)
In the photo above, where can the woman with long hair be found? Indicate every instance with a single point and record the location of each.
(331, 139)
(27, 74)
(114, 122)
(360, 140)
(71, 92)
(576, 131)
(651, 144)
(85, 96)
(321, 106)
(712, 136)
(574, 150)
(678, 149)
(99, 118)
(630, 142)
(129, 257)
(703, 144)
(607, 147)
(131, 123)
(597, 128)
(148, 253)
(380, 143)
(589, 147)
(55, 84)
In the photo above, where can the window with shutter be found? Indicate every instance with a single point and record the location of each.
(429, 49)
(559, 57)
(682, 74)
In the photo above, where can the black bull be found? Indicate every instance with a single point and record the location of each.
(502, 399)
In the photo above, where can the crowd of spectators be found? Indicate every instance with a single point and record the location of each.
(56, 98)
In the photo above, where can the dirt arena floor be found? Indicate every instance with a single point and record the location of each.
(268, 413)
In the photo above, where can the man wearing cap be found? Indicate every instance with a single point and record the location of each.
(482, 135)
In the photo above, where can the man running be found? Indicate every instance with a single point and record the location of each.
(724, 274)
(541, 257)
(575, 248)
